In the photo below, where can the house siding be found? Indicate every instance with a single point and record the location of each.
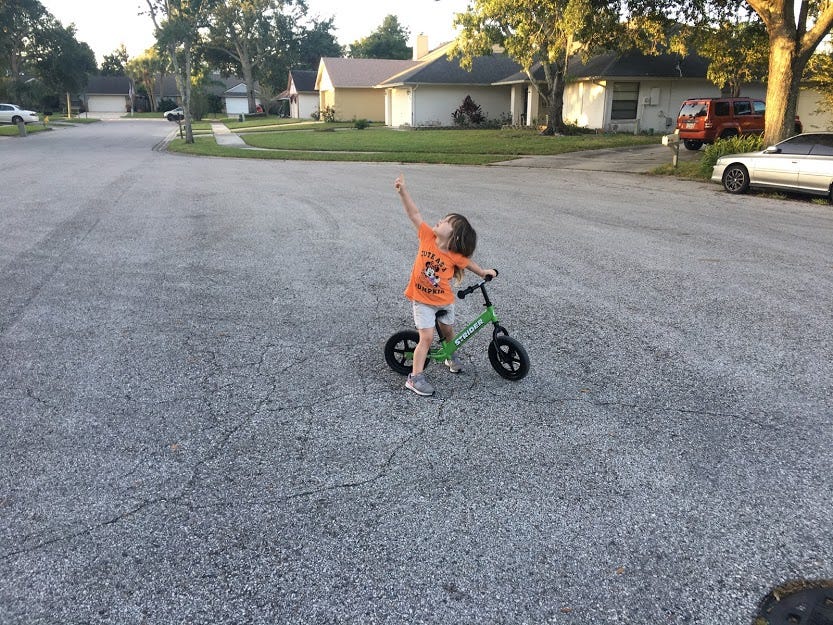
(355, 103)
(435, 105)
(813, 119)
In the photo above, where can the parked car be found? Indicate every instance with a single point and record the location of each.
(702, 120)
(174, 115)
(801, 164)
(13, 114)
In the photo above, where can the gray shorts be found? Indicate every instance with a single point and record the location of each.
(424, 315)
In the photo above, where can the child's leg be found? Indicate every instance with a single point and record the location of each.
(453, 362)
(447, 331)
(426, 337)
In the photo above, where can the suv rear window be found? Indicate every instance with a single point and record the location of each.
(693, 109)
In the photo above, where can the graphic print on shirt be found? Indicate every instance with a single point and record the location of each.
(432, 270)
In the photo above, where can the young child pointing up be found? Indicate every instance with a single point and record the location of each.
(444, 252)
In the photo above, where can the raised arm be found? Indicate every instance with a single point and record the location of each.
(475, 268)
(410, 208)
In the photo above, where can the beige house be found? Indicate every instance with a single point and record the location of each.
(347, 85)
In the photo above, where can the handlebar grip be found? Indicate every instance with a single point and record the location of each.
(488, 278)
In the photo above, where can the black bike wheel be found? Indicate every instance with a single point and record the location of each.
(399, 350)
(508, 358)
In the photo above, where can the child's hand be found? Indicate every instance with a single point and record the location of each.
(399, 183)
(489, 273)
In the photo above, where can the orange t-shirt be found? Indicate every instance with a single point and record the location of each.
(433, 269)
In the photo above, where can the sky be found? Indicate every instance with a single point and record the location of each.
(105, 24)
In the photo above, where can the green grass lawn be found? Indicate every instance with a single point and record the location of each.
(341, 142)
(13, 131)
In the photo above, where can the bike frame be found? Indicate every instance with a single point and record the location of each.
(449, 347)
(488, 316)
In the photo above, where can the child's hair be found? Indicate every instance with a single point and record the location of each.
(463, 240)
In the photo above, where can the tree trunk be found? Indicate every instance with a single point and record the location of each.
(785, 72)
(248, 78)
(554, 97)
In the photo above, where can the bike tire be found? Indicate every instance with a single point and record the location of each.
(508, 358)
(396, 349)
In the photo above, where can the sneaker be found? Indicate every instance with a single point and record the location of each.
(419, 384)
(454, 365)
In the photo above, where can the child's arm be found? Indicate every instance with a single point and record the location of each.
(474, 267)
(410, 208)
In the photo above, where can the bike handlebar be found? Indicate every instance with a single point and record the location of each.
(471, 289)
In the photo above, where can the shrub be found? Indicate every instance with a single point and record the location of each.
(468, 113)
(360, 124)
(166, 104)
(733, 145)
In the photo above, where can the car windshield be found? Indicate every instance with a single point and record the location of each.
(693, 109)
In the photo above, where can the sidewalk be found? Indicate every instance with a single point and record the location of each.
(224, 136)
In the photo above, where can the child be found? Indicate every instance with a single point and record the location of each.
(444, 251)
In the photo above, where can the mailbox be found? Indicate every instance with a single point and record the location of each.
(671, 140)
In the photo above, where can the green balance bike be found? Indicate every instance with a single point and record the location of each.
(507, 356)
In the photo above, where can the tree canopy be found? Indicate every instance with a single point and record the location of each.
(114, 63)
(34, 44)
(389, 41)
(540, 35)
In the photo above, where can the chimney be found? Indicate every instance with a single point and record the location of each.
(421, 47)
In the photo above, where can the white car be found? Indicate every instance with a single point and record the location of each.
(13, 114)
(174, 115)
(800, 164)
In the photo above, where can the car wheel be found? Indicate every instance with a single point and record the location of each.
(17, 119)
(692, 144)
(729, 133)
(736, 179)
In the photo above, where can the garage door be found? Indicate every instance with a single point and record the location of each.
(107, 103)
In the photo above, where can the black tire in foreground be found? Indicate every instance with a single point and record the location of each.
(508, 358)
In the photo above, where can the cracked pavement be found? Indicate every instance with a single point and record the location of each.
(198, 425)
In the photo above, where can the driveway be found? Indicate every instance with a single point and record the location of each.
(199, 425)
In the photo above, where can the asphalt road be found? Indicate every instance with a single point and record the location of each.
(197, 424)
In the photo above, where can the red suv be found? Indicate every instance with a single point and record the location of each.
(702, 120)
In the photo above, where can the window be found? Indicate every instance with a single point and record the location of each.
(760, 107)
(743, 108)
(625, 100)
(721, 109)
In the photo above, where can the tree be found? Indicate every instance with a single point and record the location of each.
(792, 40)
(537, 33)
(389, 41)
(177, 25)
(317, 40)
(820, 73)
(143, 70)
(19, 21)
(114, 64)
(63, 63)
(250, 36)
(737, 53)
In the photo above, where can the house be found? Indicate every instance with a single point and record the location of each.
(348, 86)
(428, 93)
(301, 92)
(625, 92)
(107, 94)
(236, 96)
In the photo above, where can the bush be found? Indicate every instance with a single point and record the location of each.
(734, 145)
(165, 105)
(468, 113)
(327, 115)
(360, 124)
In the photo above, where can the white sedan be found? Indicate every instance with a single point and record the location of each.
(800, 164)
(13, 114)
